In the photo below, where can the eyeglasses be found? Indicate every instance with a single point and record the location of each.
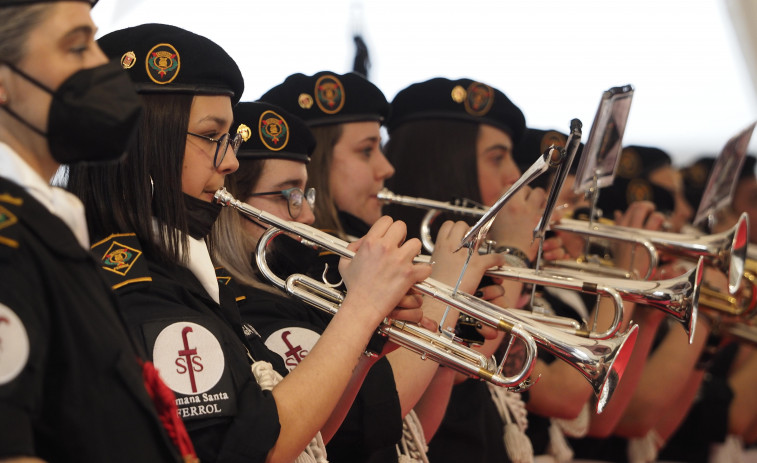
(294, 197)
(222, 144)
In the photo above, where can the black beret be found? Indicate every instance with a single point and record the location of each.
(534, 143)
(625, 191)
(32, 2)
(327, 98)
(695, 179)
(462, 99)
(640, 161)
(269, 132)
(748, 170)
(166, 59)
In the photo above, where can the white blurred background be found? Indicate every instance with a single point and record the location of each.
(553, 58)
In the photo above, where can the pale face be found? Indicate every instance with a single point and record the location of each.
(358, 171)
(669, 178)
(497, 169)
(210, 116)
(277, 175)
(60, 45)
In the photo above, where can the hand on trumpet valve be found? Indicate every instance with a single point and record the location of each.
(514, 224)
(641, 215)
(382, 272)
(448, 263)
(553, 249)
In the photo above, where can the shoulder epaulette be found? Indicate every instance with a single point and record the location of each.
(9, 233)
(121, 260)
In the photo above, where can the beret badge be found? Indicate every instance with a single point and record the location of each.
(273, 130)
(163, 63)
(552, 138)
(458, 94)
(329, 94)
(639, 190)
(128, 60)
(630, 164)
(244, 131)
(479, 99)
(305, 101)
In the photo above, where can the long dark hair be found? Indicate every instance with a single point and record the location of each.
(434, 159)
(125, 196)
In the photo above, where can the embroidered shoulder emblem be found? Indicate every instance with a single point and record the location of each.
(329, 94)
(8, 219)
(292, 344)
(162, 63)
(119, 256)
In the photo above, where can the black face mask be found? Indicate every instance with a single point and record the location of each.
(201, 215)
(93, 114)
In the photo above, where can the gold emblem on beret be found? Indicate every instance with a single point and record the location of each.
(458, 94)
(479, 100)
(696, 175)
(162, 63)
(128, 60)
(273, 130)
(552, 138)
(639, 190)
(244, 131)
(629, 165)
(329, 94)
(305, 101)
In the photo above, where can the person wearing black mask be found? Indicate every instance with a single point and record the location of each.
(71, 384)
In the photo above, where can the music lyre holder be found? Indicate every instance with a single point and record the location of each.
(551, 157)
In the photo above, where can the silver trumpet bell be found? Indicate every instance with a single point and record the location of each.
(727, 251)
(678, 297)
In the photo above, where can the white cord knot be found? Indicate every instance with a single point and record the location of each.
(412, 447)
(267, 378)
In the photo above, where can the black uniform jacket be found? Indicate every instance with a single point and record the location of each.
(291, 328)
(199, 349)
(79, 395)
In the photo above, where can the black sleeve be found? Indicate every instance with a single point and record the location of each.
(239, 423)
(290, 329)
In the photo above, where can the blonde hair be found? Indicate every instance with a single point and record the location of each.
(233, 247)
(17, 22)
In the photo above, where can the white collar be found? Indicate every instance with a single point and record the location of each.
(199, 262)
(58, 201)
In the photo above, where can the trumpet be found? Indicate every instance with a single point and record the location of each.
(739, 306)
(725, 251)
(678, 297)
(601, 362)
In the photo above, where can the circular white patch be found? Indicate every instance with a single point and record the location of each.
(188, 357)
(293, 344)
(14, 345)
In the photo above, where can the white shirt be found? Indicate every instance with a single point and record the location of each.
(58, 201)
